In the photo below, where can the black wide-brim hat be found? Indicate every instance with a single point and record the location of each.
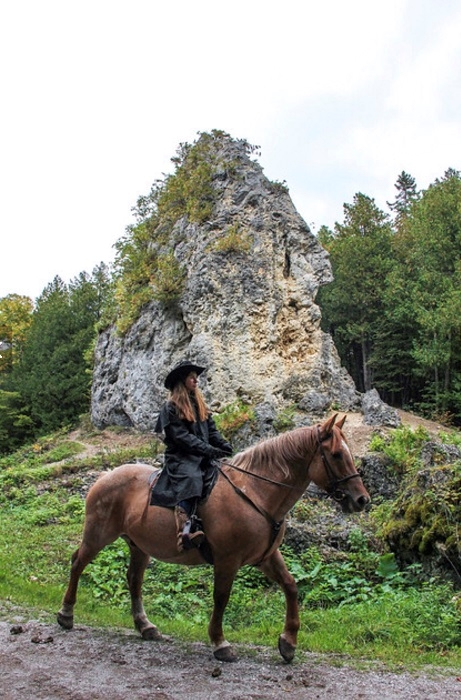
(180, 372)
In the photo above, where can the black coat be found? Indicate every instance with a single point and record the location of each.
(189, 454)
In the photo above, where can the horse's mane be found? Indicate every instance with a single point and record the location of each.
(274, 455)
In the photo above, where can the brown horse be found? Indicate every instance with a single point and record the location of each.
(243, 519)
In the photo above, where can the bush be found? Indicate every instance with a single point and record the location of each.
(233, 416)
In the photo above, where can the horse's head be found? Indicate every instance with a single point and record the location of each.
(333, 468)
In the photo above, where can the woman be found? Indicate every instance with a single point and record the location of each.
(192, 443)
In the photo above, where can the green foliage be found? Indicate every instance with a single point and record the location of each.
(279, 187)
(402, 446)
(362, 575)
(426, 517)
(429, 260)
(189, 192)
(407, 627)
(407, 194)
(51, 457)
(169, 279)
(15, 424)
(394, 307)
(106, 576)
(234, 416)
(234, 240)
(452, 438)
(15, 319)
(285, 419)
(49, 384)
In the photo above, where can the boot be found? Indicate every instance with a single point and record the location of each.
(185, 538)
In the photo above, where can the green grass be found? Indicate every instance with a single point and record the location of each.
(420, 625)
(360, 606)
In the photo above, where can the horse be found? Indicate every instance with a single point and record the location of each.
(243, 518)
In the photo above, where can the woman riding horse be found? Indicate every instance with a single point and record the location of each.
(243, 517)
(192, 443)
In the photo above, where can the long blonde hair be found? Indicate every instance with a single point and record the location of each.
(182, 400)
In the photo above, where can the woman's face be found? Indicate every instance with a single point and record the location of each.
(191, 381)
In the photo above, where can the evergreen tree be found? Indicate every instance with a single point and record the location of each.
(360, 253)
(428, 274)
(15, 319)
(406, 195)
(53, 376)
(15, 425)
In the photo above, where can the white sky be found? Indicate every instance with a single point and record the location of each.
(98, 94)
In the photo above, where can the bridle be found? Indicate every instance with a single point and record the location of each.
(332, 489)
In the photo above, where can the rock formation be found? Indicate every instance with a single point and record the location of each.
(246, 310)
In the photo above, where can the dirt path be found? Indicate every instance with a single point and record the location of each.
(43, 662)
(358, 435)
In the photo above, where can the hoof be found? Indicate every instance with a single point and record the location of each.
(286, 650)
(151, 634)
(66, 621)
(225, 654)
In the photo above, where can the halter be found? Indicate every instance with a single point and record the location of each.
(332, 486)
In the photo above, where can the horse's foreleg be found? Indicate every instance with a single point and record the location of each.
(223, 580)
(138, 563)
(80, 558)
(275, 569)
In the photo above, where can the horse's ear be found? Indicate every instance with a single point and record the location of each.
(327, 427)
(341, 422)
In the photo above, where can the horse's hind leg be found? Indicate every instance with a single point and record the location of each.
(138, 563)
(275, 569)
(96, 535)
(80, 559)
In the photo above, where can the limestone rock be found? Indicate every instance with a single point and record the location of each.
(248, 315)
(376, 412)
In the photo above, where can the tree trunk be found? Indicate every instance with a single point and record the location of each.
(365, 368)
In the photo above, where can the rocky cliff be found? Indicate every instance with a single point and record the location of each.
(246, 309)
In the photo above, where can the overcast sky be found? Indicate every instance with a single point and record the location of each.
(98, 94)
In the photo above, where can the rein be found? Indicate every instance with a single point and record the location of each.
(256, 476)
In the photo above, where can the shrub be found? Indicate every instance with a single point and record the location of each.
(403, 447)
(233, 416)
(168, 279)
(234, 240)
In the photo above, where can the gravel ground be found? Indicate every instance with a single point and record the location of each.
(44, 662)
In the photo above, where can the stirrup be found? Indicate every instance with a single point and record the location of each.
(193, 539)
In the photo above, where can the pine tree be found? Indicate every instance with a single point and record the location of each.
(428, 276)
(406, 195)
(360, 253)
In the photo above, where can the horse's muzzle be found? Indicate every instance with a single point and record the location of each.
(349, 504)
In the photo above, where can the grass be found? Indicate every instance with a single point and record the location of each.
(361, 608)
(417, 625)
